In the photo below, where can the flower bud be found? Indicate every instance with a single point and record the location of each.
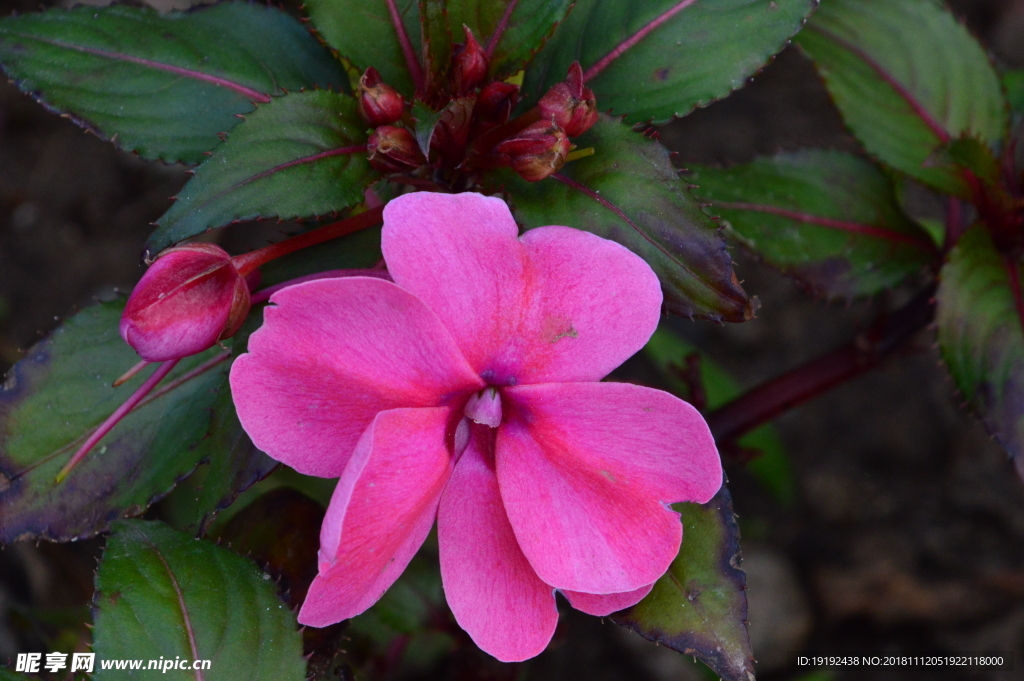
(393, 150)
(495, 103)
(379, 103)
(570, 105)
(469, 65)
(190, 298)
(537, 151)
(452, 131)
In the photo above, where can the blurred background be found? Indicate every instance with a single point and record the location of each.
(898, 526)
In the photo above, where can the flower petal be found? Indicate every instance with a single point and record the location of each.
(600, 605)
(330, 355)
(585, 471)
(559, 304)
(491, 589)
(381, 511)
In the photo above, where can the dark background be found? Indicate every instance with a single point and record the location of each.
(908, 531)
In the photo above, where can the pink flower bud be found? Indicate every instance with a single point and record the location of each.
(569, 104)
(190, 298)
(393, 150)
(379, 103)
(537, 151)
(469, 65)
(495, 103)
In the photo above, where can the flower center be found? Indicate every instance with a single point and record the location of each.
(484, 407)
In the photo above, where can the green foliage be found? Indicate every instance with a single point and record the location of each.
(699, 607)
(908, 79)
(1013, 81)
(361, 31)
(162, 85)
(829, 219)
(58, 394)
(163, 593)
(699, 54)
(629, 192)
(669, 354)
(979, 320)
(300, 155)
(526, 29)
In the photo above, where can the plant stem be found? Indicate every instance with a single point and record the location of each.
(248, 262)
(865, 352)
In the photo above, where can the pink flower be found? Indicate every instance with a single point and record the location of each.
(468, 390)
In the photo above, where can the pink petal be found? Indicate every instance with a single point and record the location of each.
(330, 355)
(585, 471)
(493, 592)
(559, 304)
(381, 511)
(605, 604)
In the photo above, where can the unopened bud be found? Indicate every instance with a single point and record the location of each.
(469, 65)
(452, 130)
(569, 104)
(495, 102)
(537, 151)
(393, 150)
(190, 298)
(379, 103)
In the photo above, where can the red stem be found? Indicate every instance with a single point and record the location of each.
(606, 60)
(263, 295)
(247, 262)
(489, 139)
(413, 64)
(118, 414)
(771, 399)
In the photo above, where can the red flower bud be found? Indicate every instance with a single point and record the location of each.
(469, 64)
(190, 298)
(537, 151)
(393, 150)
(569, 104)
(452, 131)
(495, 103)
(379, 104)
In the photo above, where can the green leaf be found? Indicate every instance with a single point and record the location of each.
(974, 155)
(678, 54)
(527, 26)
(829, 219)
(668, 352)
(300, 155)
(699, 607)
(163, 593)
(163, 85)
(908, 79)
(362, 32)
(1013, 81)
(628, 191)
(436, 39)
(979, 318)
(58, 394)
(426, 122)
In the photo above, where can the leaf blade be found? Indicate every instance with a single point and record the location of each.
(687, 55)
(135, 76)
(829, 219)
(908, 79)
(300, 155)
(162, 593)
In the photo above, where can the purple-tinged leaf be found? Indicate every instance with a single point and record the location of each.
(908, 79)
(56, 395)
(662, 58)
(301, 155)
(699, 607)
(826, 218)
(980, 319)
(163, 85)
(163, 594)
(628, 191)
(512, 31)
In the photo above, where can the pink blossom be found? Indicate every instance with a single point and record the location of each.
(469, 391)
